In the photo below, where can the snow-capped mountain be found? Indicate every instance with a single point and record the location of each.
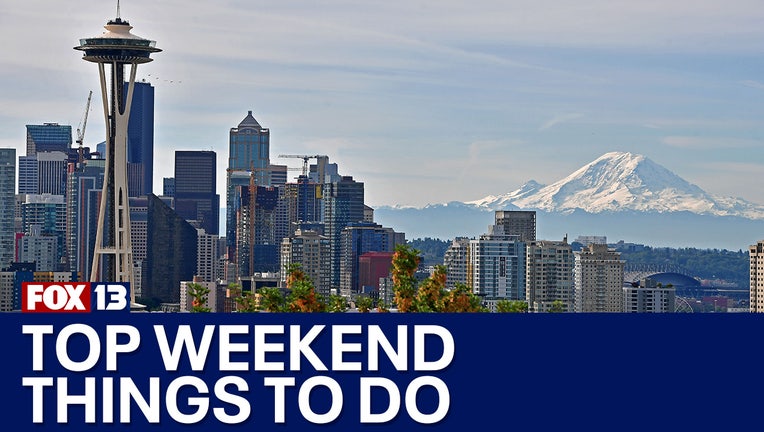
(621, 195)
(620, 181)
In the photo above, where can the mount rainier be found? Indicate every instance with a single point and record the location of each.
(622, 195)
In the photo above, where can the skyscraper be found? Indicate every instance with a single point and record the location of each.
(173, 255)
(520, 223)
(7, 205)
(84, 186)
(195, 187)
(342, 205)
(249, 148)
(357, 238)
(257, 249)
(549, 276)
(46, 215)
(303, 201)
(44, 172)
(117, 48)
(496, 266)
(248, 152)
(28, 175)
(140, 140)
(48, 137)
(206, 256)
(39, 248)
(312, 252)
(455, 261)
(598, 279)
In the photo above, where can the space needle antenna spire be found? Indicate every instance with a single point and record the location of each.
(118, 15)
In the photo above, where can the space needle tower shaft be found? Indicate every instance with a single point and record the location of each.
(113, 51)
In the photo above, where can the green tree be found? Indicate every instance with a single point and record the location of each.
(364, 304)
(404, 266)
(429, 296)
(557, 307)
(511, 306)
(462, 299)
(303, 298)
(382, 307)
(337, 303)
(199, 295)
(271, 299)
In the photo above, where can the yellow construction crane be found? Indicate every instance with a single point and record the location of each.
(305, 159)
(82, 125)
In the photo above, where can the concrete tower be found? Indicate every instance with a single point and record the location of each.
(113, 50)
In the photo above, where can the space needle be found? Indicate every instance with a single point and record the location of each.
(112, 51)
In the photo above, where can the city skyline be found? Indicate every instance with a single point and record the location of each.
(427, 102)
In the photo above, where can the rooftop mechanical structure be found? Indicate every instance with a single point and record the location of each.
(115, 49)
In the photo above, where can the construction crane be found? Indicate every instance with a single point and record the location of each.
(82, 125)
(305, 159)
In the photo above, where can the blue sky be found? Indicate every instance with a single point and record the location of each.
(425, 101)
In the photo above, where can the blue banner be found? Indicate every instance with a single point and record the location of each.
(379, 371)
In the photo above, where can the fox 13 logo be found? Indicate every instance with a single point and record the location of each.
(74, 297)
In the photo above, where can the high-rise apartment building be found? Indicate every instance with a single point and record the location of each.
(598, 279)
(206, 256)
(47, 213)
(41, 249)
(649, 297)
(7, 279)
(756, 256)
(519, 223)
(11, 278)
(7, 205)
(312, 252)
(140, 140)
(455, 261)
(196, 199)
(342, 204)
(549, 276)
(496, 266)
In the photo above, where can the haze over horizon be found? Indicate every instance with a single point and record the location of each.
(424, 102)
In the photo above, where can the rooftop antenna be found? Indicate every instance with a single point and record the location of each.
(118, 16)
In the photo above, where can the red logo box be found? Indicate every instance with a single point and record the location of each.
(58, 297)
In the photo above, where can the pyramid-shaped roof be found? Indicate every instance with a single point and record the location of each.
(249, 122)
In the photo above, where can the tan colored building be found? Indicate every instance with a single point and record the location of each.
(312, 252)
(549, 276)
(598, 279)
(756, 253)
